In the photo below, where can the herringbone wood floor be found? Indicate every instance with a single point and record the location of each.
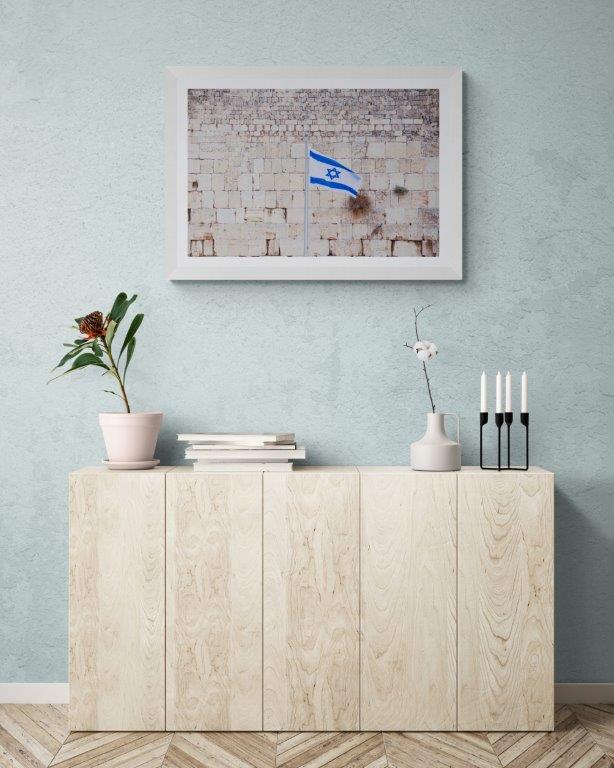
(36, 736)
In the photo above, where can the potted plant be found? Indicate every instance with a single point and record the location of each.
(434, 452)
(130, 437)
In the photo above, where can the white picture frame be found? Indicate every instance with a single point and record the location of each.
(447, 265)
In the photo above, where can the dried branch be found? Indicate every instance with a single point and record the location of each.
(417, 314)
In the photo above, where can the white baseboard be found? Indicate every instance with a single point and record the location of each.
(584, 693)
(33, 693)
(57, 693)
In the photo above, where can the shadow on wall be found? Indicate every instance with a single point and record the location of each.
(584, 641)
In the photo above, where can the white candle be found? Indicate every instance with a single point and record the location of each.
(483, 400)
(524, 407)
(498, 393)
(508, 393)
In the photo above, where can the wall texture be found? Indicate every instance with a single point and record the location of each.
(81, 217)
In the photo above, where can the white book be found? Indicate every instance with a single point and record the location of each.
(282, 466)
(232, 437)
(240, 446)
(246, 454)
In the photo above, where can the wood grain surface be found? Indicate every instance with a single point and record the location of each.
(30, 736)
(311, 601)
(505, 592)
(408, 593)
(214, 601)
(117, 601)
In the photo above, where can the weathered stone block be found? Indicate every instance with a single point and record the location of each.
(275, 215)
(419, 199)
(413, 149)
(282, 181)
(204, 181)
(245, 182)
(200, 216)
(208, 246)
(431, 181)
(220, 199)
(284, 198)
(429, 247)
(378, 181)
(196, 247)
(395, 149)
(294, 215)
(396, 215)
(380, 248)
(376, 149)
(318, 247)
(195, 199)
(272, 247)
(226, 215)
(234, 199)
(406, 248)
(414, 181)
(396, 180)
(291, 246)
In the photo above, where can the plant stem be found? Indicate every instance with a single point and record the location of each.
(115, 372)
(428, 384)
(426, 376)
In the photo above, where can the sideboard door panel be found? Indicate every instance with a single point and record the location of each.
(505, 590)
(311, 600)
(117, 600)
(214, 601)
(408, 591)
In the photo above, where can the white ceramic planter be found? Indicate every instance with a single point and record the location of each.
(435, 452)
(130, 436)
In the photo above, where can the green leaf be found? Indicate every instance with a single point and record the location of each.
(96, 348)
(124, 308)
(120, 307)
(81, 341)
(134, 327)
(87, 358)
(119, 300)
(110, 392)
(110, 333)
(131, 346)
(78, 320)
(72, 353)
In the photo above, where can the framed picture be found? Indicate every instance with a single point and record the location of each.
(313, 174)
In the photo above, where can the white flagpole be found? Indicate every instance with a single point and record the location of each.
(306, 222)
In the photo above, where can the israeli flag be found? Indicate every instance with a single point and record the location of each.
(327, 172)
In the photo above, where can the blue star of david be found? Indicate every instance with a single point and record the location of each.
(333, 174)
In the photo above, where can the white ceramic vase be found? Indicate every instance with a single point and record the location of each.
(435, 452)
(130, 436)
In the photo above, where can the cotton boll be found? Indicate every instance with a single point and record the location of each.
(425, 350)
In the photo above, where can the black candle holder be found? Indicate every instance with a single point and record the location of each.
(508, 419)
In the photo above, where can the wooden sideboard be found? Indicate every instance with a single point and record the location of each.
(328, 598)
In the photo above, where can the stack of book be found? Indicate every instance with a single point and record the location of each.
(272, 452)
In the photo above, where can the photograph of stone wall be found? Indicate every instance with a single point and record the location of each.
(246, 172)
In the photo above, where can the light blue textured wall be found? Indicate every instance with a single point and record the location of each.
(81, 154)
